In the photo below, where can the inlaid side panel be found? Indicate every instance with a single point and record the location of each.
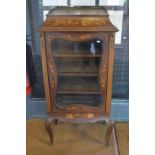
(52, 73)
(103, 72)
(45, 72)
(110, 71)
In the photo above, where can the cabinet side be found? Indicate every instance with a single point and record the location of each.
(110, 71)
(45, 72)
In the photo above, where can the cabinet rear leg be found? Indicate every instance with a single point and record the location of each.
(108, 133)
(49, 131)
(56, 122)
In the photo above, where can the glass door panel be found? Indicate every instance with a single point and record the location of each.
(77, 64)
(92, 100)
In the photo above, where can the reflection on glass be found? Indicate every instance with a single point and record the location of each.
(54, 2)
(93, 46)
(111, 2)
(116, 17)
(82, 3)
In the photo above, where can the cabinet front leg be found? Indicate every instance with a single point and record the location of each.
(108, 133)
(49, 131)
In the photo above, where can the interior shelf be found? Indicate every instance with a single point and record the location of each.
(75, 66)
(68, 47)
(78, 74)
(86, 99)
(77, 55)
(78, 92)
(78, 85)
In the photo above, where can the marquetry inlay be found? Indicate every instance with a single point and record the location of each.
(85, 22)
(73, 116)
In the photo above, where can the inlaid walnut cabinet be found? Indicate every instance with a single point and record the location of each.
(77, 49)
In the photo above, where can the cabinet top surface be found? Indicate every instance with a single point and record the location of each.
(78, 11)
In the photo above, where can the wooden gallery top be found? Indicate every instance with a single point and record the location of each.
(78, 19)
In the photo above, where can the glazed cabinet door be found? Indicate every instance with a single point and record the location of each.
(77, 68)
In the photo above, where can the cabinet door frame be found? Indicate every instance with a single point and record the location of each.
(53, 76)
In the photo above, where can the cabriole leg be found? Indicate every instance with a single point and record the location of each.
(49, 131)
(109, 133)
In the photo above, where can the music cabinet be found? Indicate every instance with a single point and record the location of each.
(77, 49)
